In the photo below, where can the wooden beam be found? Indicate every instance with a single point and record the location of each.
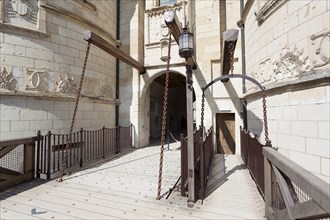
(6, 150)
(98, 41)
(229, 43)
(173, 23)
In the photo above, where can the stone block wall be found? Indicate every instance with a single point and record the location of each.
(291, 59)
(41, 64)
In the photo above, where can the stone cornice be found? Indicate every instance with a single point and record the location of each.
(162, 9)
(268, 9)
(60, 97)
(307, 80)
(13, 29)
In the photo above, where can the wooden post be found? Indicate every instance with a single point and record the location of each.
(29, 160)
(201, 169)
(268, 186)
(190, 132)
(103, 140)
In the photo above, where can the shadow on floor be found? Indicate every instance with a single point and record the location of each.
(219, 175)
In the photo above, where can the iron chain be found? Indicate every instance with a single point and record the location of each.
(74, 114)
(265, 118)
(164, 119)
(231, 57)
(202, 111)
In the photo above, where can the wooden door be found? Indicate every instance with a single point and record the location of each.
(225, 126)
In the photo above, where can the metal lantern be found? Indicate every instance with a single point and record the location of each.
(186, 43)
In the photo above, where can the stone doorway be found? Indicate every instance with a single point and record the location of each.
(176, 113)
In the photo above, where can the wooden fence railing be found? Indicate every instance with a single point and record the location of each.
(292, 192)
(16, 161)
(86, 146)
(203, 152)
(251, 152)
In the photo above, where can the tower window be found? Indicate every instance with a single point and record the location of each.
(166, 2)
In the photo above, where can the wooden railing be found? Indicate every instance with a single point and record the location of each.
(203, 153)
(206, 156)
(292, 192)
(86, 146)
(16, 161)
(251, 152)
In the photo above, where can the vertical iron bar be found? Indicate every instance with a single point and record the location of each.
(54, 151)
(81, 147)
(38, 154)
(49, 154)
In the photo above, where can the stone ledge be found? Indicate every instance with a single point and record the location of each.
(13, 29)
(309, 79)
(61, 97)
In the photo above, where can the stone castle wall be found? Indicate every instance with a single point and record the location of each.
(42, 55)
(291, 59)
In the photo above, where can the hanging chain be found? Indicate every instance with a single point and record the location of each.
(74, 114)
(164, 119)
(231, 56)
(202, 111)
(265, 118)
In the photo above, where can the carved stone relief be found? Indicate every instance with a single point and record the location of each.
(322, 50)
(291, 63)
(22, 13)
(66, 84)
(7, 80)
(37, 80)
(89, 87)
(265, 70)
(106, 90)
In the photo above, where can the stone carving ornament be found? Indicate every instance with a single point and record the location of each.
(323, 50)
(66, 85)
(22, 12)
(37, 81)
(7, 80)
(106, 90)
(291, 63)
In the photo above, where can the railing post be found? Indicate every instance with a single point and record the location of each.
(103, 141)
(201, 169)
(268, 186)
(82, 144)
(183, 179)
(38, 154)
(118, 139)
(29, 160)
(49, 154)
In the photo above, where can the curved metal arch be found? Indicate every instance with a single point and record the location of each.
(234, 76)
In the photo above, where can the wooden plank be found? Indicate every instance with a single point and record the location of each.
(311, 184)
(6, 150)
(111, 49)
(6, 143)
(306, 210)
(172, 22)
(284, 191)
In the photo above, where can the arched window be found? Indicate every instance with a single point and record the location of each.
(166, 2)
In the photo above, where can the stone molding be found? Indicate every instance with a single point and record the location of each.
(310, 79)
(87, 4)
(268, 9)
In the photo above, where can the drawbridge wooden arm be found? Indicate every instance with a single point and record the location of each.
(172, 23)
(100, 42)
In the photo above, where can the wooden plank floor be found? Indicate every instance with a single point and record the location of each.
(126, 188)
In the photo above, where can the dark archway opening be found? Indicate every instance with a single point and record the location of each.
(176, 111)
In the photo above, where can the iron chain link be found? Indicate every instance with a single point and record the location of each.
(164, 119)
(265, 118)
(231, 57)
(74, 114)
(202, 111)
